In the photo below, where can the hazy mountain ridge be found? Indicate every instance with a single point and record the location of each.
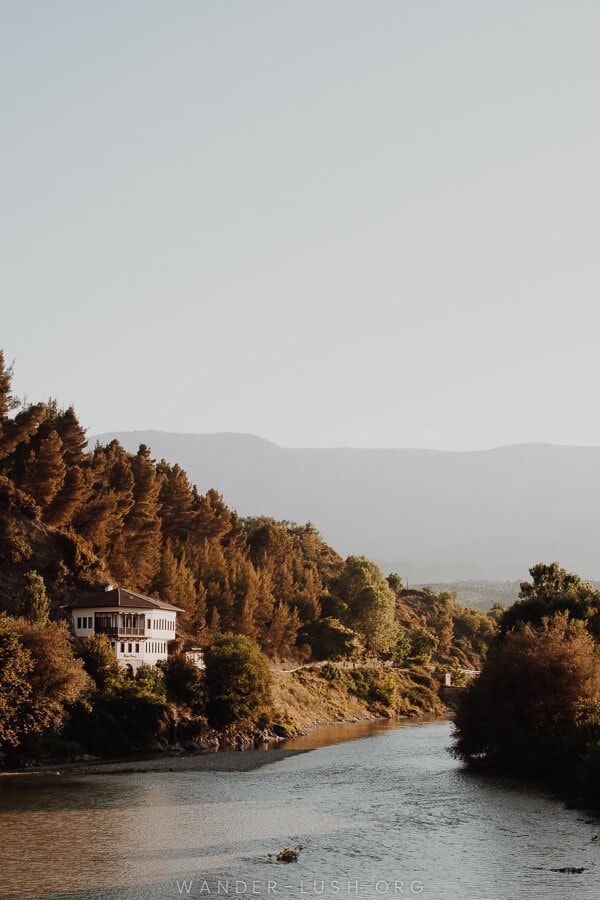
(431, 515)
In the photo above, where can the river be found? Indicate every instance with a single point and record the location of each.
(389, 814)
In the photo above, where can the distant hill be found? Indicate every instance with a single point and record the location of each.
(432, 516)
(481, 594)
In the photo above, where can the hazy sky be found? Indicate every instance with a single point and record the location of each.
(325, 222)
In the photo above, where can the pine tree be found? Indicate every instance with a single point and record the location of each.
(175, 580)
(212, 517)
(109, 481)
(45, 469)
(15, 435)
(7, 401)
(69, 499)
(176, 502)
(140, 550)
(282, 632)
(35, 603)
(72, 436)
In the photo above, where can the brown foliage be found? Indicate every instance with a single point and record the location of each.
(57, 678)
(523, 708)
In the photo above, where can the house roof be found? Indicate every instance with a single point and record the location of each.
(117, 598)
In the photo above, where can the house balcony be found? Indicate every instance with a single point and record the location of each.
(120, 631)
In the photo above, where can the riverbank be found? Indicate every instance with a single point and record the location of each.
(307, 698)
(302, 701)
(221, 761)
(324, 735)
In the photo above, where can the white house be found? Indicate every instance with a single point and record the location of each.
(139, 628)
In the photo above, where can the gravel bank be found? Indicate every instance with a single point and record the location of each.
(223, 761)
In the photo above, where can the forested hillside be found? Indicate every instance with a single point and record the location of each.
(73, 519)
(82, 517)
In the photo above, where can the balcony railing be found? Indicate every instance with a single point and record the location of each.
(120, 631)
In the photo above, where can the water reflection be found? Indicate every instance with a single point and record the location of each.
(393, 807)
(327, 735)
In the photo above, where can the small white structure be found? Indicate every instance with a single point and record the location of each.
(139, 628)
(196, 655)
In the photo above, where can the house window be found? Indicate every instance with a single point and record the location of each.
(122, 648)
(89, 622)
(129, 646)
(79, 621)
(137, 648)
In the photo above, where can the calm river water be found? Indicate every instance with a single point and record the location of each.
(387, 815)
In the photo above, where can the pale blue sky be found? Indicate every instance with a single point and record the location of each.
(325, 222)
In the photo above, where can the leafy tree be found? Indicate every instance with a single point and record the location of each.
(57, 678)
(16, 665)
(550, 591)
(394, 581)
(497, 611)
(423, 645)
(99, 660)
(371, 615)
(151, 679)
(329, 639)
(237, 680)
(402, 648)
(370, 602)
(523, 710)
(473, 631)
(184, 682)
(35, 603)
(125, 717)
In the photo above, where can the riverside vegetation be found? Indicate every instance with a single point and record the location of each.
(535, 708)
(255, 592)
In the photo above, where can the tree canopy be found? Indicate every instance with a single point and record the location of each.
(522, 711)
(553, 590)
(16, 665)
(237, 680)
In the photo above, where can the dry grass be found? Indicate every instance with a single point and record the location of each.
(304, 699)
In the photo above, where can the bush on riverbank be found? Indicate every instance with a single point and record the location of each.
(535, 708)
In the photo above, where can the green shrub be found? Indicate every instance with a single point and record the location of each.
(184, 682)
(237, 680)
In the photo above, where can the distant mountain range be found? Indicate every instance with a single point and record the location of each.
(431, 516)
